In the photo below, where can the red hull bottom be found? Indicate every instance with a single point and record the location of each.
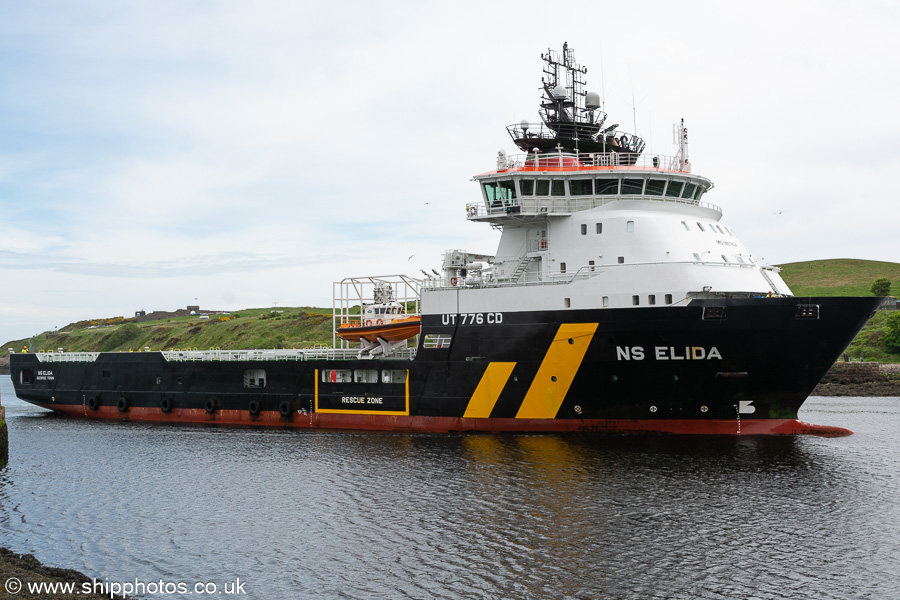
(368, 422)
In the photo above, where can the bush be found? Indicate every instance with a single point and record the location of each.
(881, 287)
(891, 338)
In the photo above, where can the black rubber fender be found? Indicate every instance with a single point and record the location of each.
(254, 407)
(286, 408)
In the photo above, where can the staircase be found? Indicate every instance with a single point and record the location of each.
(523, 266)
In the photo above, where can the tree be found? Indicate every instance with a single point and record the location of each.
(881, 287)
(891, 338)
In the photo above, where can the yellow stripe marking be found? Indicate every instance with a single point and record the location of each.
(485, 396)
(561, 362)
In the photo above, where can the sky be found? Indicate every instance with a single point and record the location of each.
(248, 154)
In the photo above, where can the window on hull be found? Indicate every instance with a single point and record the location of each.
(337, 375)
(393, 376)
(436, 340)
(254, 378)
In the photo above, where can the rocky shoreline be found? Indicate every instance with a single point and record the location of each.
(25, 569)
(860, 379)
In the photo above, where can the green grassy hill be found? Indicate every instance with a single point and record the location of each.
(839, 277)
(307, 327)
(251, 328)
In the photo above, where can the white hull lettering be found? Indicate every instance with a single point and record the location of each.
(669, 353)
(472, 318)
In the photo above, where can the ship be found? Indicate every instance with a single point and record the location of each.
(617, 301)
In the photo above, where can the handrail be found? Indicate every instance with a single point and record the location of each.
(592, 161)
(585, 272)
(303, 354)
(566, 205)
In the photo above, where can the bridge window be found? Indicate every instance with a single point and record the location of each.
(674, 189)
(581, 187)
(559, 188)
(500, 191)
(607, 187)
(527, 187)
(655, 187)
(543, 187)
(689, 190)
(632, 187)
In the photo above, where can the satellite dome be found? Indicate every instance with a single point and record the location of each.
(524, 124)
(592, 100)
(559, 92)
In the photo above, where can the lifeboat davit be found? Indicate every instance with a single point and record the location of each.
(395, 330)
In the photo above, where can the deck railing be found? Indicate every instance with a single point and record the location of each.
(303, 354)
(568, 205)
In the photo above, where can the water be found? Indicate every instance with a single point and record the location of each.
(336, 515)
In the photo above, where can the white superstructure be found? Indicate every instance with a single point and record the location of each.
(598, 230)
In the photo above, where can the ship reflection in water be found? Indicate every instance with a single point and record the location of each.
(389, 515)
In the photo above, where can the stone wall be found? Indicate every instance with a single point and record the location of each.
(852, 372)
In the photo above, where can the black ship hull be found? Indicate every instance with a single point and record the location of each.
(724, 366)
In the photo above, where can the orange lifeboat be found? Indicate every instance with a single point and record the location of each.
(395, 330)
